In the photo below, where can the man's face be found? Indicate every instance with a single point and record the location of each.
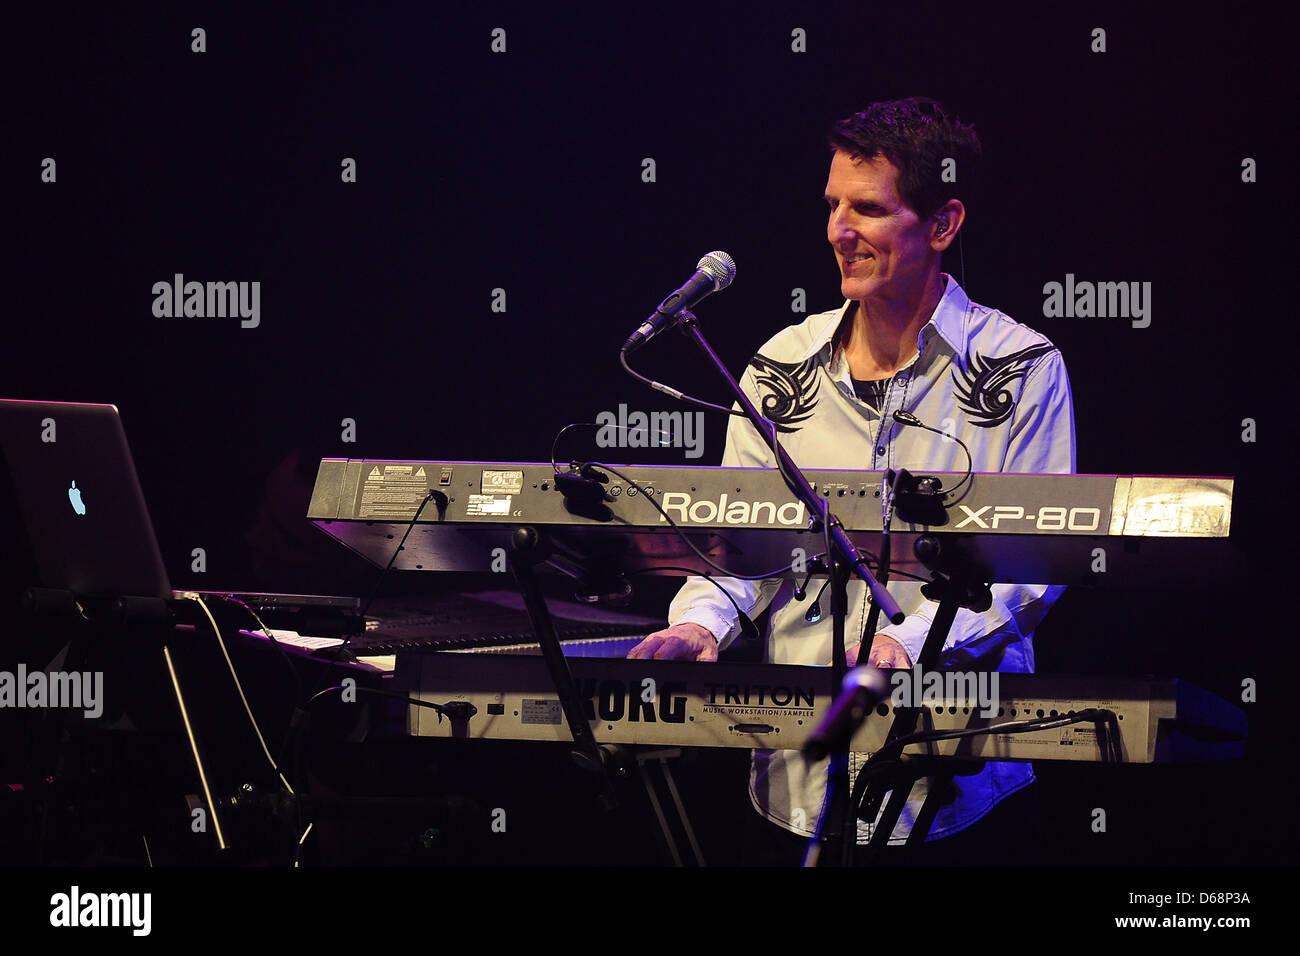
(880, 243)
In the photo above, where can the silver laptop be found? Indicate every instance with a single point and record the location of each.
(72, 477)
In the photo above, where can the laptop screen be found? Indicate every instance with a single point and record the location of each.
(74, 483)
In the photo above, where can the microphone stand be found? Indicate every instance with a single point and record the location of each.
(844, 559)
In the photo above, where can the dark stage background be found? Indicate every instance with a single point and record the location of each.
(522, 171)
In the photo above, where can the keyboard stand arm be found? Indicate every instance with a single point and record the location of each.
(527, 550)
(646, 760)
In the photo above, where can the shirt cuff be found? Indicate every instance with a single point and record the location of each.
(911, 634)
(713, 621)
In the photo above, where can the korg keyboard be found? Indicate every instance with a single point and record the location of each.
(726, 704)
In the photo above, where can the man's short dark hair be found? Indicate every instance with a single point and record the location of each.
(916, 134)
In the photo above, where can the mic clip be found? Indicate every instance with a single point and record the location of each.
(918, 499)
(584, 492)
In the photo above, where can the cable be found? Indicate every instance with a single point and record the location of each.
(297, 678)
(239, 687)
(623, 428)
(961, 255)
(301, 710)
(682, 533)
(401, 544)
(883, 570)
(297, 853)
(888, 753)
(1090, 715)
(442, 709)
(674, 393)
(907, 418)
(682, 396)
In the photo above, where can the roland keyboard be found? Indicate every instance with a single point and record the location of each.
(771, 706)
(1102, 530)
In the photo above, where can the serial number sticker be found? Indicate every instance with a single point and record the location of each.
(535, 711)
(502, 483)
(488, 505)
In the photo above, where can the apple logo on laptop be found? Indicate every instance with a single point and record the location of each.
(74, 495)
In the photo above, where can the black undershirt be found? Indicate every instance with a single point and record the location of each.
(871, 392)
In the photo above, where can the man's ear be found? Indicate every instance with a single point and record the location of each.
(945, 224)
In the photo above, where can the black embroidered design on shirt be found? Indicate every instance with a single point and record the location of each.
(791, 391)
(982, 387)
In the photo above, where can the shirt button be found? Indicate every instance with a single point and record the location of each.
(880, 450)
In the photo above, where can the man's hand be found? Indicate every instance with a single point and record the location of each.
(681, 642)
(885, 652)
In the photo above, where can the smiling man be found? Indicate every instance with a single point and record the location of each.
(906, 338)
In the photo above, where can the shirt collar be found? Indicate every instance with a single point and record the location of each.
(948, 322)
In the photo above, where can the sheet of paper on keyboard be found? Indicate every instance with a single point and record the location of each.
(382, 662)
(300, 640)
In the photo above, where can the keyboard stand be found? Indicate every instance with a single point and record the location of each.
(528, 549)
(661, 756)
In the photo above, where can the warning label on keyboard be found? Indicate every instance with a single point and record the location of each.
(393, 491)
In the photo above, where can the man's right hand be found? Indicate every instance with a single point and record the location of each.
(681, 642)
